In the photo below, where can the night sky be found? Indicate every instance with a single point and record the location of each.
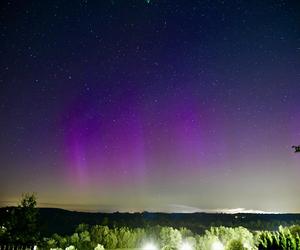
(162, 106)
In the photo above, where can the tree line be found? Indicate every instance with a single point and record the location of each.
(21, 228)
(100, 237)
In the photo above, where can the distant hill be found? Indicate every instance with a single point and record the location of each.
(55, 220)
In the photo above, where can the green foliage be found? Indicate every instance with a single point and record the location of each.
(295, 230)
(205, 242)
(51, 243)
(98, 233)
(127, 238)
(110, 240)
(185, 232)
(284, 238)
(74, 239)
(168, 238)
(227, 234)
(60, 241)
(235, 244)
(84, 241)
(82, 227)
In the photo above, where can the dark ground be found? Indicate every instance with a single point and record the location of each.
(54, 220)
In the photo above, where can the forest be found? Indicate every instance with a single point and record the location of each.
(23, 226)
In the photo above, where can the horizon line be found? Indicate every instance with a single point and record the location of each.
(176, 209)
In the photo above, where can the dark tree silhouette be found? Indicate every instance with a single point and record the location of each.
(22, 223)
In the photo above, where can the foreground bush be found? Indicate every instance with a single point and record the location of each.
(284, 238)
(168, 238)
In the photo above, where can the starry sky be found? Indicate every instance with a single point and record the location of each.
(173, 106)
